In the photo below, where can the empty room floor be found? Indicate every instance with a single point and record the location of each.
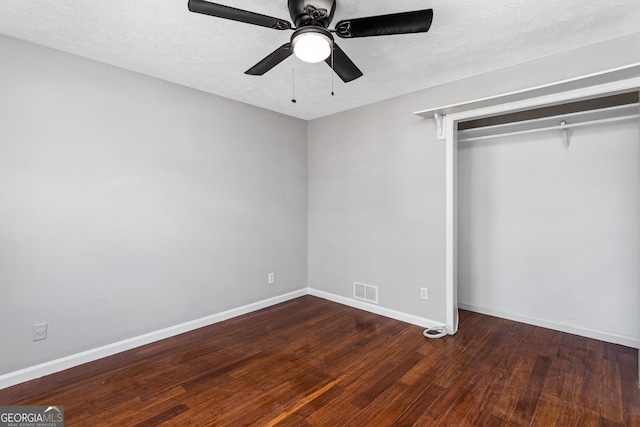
(311, 362)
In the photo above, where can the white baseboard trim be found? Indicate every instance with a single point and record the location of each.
(53, 366)
(47, 368)
(372, 308)
(557, 326)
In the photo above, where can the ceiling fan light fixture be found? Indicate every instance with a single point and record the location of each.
(312, 44)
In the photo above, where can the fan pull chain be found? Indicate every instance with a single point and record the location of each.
(333, 71)
(293, 85)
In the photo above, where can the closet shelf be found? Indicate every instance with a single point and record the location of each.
(631, 71)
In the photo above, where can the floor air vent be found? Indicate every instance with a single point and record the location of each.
(365, 292)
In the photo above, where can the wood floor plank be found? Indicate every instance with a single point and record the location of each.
(164, 416)
(311, 362)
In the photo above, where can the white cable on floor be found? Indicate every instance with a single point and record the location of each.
(437, 332)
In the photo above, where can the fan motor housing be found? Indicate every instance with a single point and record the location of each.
(312, 12)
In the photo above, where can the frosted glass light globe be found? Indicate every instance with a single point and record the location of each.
(312, 46)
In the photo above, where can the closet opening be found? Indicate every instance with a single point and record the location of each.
(549, 235)
(604, 84)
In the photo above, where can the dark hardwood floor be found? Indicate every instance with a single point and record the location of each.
(311, 362)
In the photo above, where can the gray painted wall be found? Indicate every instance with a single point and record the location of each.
(553, 235)
(128, 204)
(376, 206)
(377, 182)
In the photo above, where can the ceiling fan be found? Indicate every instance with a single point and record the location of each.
(311, 40)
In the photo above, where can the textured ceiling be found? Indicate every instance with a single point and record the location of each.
(161, 38)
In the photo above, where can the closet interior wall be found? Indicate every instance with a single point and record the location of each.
(549, 235)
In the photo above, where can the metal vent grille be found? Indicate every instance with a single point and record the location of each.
(365, 292)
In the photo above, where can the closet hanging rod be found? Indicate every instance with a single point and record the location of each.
(616, 110)
(556, 127)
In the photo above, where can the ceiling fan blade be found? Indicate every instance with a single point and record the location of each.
(418, 21)
(273, 59)
(343, 66)
(227, 12)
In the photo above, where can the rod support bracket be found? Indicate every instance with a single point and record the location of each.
(441, 133)
(565, 134)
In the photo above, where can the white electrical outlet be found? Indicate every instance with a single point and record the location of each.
(423, 293)
(39, 331)
(271, 278)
